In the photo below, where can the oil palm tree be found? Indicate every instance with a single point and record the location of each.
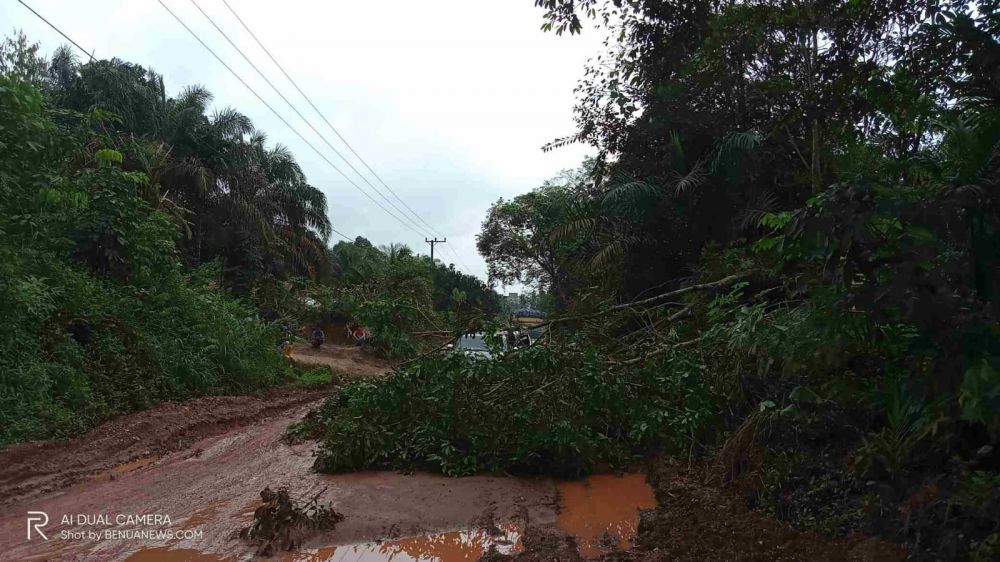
(233, 196)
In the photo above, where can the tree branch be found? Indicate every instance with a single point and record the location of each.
(677, 292)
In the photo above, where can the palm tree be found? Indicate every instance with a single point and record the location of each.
(233, 196)
(396, 252)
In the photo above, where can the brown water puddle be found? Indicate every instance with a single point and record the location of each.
(603, 510)
(165, 554)
(453, 546)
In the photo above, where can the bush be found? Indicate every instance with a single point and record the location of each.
(535, 410)
(99, 317)
(79, 349)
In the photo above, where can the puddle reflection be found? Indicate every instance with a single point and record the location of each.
(454, 546)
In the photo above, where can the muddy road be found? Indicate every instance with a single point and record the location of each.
(176, 482)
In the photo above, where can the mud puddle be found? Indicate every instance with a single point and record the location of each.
(203, 462)
(165, 554)
(454, 546)
(602, 512)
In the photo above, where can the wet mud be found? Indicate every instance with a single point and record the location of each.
(213, 493)
(340, 359)
(200, 465)
(602, 512)
(134, 442)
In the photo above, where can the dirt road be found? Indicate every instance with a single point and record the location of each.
(340, 359)
(202, 464)
(176, 483)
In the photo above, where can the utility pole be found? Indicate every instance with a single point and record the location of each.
(432, 242)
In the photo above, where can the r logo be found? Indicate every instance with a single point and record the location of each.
(37, 520)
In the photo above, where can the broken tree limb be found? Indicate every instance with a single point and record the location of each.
(443, 345)
(729, 280)
(431, 352)
(659, 351)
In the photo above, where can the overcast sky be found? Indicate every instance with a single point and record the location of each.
(448, 100)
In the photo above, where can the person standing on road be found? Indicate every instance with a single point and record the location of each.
(317, 337)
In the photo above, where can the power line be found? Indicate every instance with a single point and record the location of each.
(59, 31)
(341, 234)
(461, 262)
(278, 115)
(84, 51)
(327, 121)
(297, 112)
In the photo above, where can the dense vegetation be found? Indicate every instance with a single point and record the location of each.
(783, 260)
(100, 317)
(153, 250)
(405, 300)
(460, 415)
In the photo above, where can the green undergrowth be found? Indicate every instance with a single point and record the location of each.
(541, 409)
(315, 377)
(99, 316)
(79, 349)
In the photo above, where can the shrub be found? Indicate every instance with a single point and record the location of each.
(99, 317)
(539, 409)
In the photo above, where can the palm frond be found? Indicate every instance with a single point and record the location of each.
(610, 253)
(695, 178)
(761, 204)
(629, 194)
(561, 142)
(231, 123)
(573, 228)
(732, 147)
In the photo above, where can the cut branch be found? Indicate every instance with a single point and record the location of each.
(675, 293)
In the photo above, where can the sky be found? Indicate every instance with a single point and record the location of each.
(448, 101)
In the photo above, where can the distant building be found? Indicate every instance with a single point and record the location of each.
(512, 302)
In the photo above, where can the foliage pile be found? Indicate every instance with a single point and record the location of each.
(282, 523)
(543, 409)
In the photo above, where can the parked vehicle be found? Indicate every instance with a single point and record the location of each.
(474, 345)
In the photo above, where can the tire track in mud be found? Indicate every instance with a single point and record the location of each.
(122, 444)
(31, 469)
(202, 464)
(212, 487)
